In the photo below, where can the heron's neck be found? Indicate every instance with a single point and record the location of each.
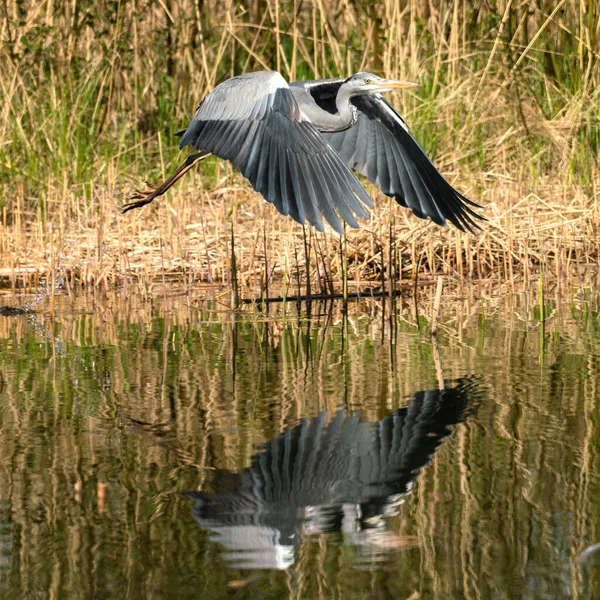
(346, 110)
(345, 117)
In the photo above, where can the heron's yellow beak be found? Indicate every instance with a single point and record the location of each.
(393, 84)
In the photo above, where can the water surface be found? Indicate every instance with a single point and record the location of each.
(182, 452)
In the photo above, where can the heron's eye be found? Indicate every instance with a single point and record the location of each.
(368, 81)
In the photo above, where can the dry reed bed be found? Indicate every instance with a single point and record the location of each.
(188, 238)
(90, 93)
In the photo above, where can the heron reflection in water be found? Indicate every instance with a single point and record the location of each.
(297, 144)
(327, 475)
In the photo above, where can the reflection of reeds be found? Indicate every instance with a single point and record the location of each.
(494, 501)
(91, 93)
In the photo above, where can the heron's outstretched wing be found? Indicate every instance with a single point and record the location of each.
(381, 147)
(254, 121)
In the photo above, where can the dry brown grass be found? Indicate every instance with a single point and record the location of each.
(186, 239)
(506, 107)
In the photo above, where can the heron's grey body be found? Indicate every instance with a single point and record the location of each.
(298, 143)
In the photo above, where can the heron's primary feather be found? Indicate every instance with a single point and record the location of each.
(381, 147)
(255, 122)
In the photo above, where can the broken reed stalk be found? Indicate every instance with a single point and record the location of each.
(344, 250)
(297, 271)
(266, 284)
(541, 296)
(438, 364)
(542, 310)
(235, 298)
(162, 269)
(307, 263)
(436, 305)
(390, 265)
(415, 292)
(285, 289)
(52, 270)
(381, 249)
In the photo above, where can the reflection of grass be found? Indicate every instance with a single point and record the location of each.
(92, 95)
(509, 492)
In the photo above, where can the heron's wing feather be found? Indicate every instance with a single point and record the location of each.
(381, 147)
(254, 121)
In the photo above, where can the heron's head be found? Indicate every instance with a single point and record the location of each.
(362, 84)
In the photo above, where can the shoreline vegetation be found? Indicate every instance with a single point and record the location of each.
(91, 95)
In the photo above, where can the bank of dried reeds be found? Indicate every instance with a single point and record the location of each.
(91, 95)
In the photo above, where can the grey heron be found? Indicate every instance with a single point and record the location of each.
(297, 144)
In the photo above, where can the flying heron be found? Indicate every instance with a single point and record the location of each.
(297, 144)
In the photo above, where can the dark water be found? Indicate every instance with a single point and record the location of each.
(187, 453)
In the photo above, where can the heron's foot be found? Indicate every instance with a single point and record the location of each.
(139, 198)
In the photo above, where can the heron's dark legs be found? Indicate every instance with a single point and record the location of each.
(140, 198)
